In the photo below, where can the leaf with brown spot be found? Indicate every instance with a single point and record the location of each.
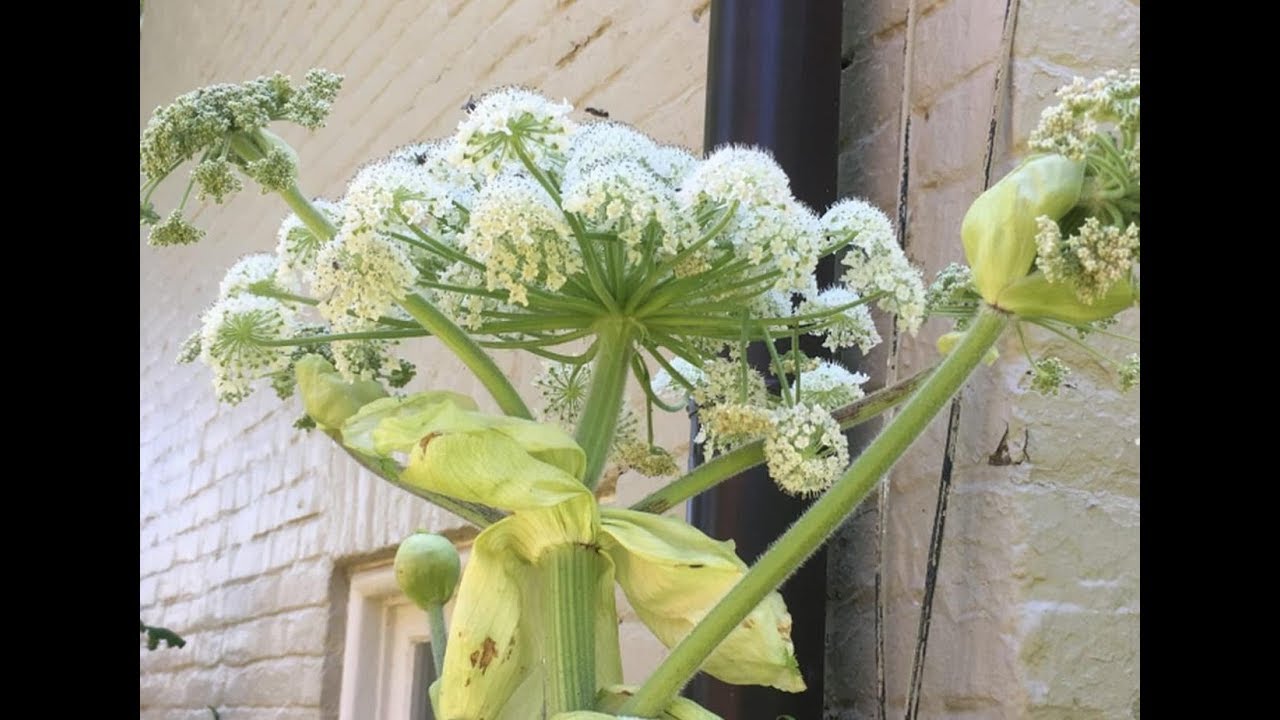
(487, 652)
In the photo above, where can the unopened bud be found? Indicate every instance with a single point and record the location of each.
(427, 569)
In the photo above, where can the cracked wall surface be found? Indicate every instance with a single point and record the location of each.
(1037, 607)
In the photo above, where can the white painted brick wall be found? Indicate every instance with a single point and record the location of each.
(1037, 608)
(241, 518)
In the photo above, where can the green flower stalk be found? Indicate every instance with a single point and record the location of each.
(427, 568)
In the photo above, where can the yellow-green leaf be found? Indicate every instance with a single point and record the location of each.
(1035, 297)
(673, 575)
(390, 424)
(326, 397)
(489, 652)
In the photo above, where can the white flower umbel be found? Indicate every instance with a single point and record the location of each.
(728, 380)
(521, 237)
(232, 337)
(851, 327)
(829, 385)
(257, 270)
(1094, 258)
(384, 196)
(297, 246)
(626, 199)
(805, 450)
(598, 143)
(486, 140)
(363, 274)
(786, 237)
(734, 172)
(563, 388)
(1071, 127)
(731, 425)
(875, 262)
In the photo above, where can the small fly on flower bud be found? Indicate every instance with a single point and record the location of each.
(596, 112)
(469, 105)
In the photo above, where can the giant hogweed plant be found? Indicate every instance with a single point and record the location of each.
(617, 259)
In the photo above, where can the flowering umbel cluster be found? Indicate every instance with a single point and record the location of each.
(531, 232)
(222, 127)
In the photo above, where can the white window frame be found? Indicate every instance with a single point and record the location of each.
(382, 627)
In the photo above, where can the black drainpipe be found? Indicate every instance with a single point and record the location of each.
(773, 80)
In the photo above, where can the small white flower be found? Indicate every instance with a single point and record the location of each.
(734, 172)
(486, 138)
(386, 195)
(250, 270)
(1068, 128)
(728, 380)
(875, 262)
(731, 425)
(521, 237)
(1094, 258)
(623, 197)
(830, 385)
(361, 359)
(232, 337)
(805, 450)
(362, 274)
(599, 143)
(852, 327)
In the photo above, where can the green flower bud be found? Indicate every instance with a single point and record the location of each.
(327, 398)
(999, 231)
(427, 568)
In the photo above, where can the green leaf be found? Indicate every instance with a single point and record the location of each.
(329, 399)
(673, 575)
(1035, 297)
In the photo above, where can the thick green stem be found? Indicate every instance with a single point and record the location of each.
(732, 463)
(309, 214)
(250, 148)
(822, 518)
(435, 618)
(599, 419)
(570, 575)
(466, 349)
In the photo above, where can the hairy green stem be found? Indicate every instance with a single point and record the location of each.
(570, 575)
(599, 419)
(723, 467)
(466, 349)
(822, 518)
(439, 635)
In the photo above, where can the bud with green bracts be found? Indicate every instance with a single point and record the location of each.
(327, 397)
(427, 569)
(673, 575)
(999, 230)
